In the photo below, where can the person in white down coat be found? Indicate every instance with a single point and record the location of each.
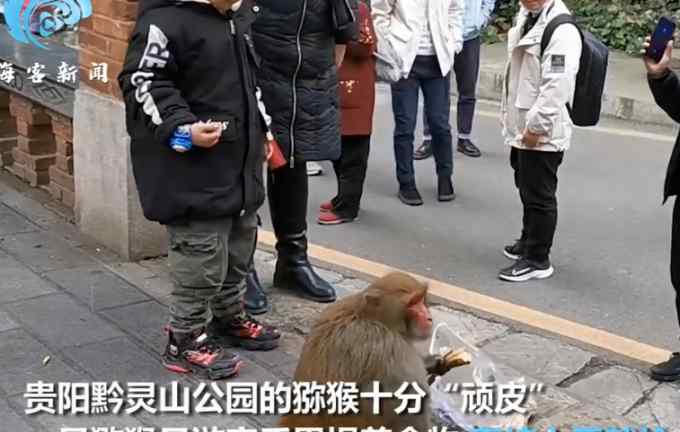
(537, 126)
(424, 36)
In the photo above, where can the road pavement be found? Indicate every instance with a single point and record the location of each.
(612, 245)
(72, 311)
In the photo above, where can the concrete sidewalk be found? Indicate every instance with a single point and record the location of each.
(626, 97)
(100, 319)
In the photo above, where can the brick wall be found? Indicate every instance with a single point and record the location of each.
(8, 131)
(40, 146)
(62, 184)
(103, 39)
(35, 151)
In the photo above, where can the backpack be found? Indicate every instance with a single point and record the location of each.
(591, 76)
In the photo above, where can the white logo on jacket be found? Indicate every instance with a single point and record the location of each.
(155, 55)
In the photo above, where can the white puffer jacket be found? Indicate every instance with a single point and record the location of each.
(397, 30)
(537, 88)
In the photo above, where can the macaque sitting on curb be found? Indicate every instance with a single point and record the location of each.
(368, 337)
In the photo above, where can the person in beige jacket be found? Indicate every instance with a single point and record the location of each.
(537, 126)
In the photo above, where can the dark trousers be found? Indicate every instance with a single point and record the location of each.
(287, 191)
(426, 76)
(208, 261)
(536, 179)
(350, 170)
(466, 69)
(675, 254)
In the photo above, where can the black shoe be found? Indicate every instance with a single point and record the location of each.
(255, 299)
(466, 147)
(195, 353)
(524, 270)
(245, 332)
(515, 251)
(667, 371)
(410, 196)
(294, 272)
(445, 190)
(424, 151)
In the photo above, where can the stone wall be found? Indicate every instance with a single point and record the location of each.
(106, 200)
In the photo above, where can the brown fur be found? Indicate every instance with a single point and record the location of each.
(363, 338)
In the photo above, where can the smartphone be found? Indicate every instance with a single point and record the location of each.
(662, 35)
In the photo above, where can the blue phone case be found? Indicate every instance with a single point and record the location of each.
(662, 35)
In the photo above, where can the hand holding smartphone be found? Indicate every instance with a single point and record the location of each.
(663, 34)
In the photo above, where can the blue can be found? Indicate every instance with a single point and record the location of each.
(181, 139)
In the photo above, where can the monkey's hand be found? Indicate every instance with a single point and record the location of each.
(435, 364)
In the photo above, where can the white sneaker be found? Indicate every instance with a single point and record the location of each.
(314, 169)
(525, 270)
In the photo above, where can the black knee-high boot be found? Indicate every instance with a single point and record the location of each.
(287, 193)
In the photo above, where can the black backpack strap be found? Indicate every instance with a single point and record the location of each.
(552, 25)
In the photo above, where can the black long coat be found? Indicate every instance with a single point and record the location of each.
(296, 40)
(667, 95)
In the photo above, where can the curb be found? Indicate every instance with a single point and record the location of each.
(470, 301)
(490, 87)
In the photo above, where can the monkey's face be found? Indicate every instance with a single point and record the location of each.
(419, 319)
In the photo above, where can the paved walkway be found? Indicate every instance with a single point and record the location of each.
(627, 94)
(96, 318)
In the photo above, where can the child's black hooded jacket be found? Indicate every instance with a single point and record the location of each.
(188, 62)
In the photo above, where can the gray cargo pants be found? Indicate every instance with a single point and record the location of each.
(209, 260)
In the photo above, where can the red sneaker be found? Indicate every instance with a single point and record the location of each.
(331, 218)
(194, 353)
(245, 332)
(326, 207)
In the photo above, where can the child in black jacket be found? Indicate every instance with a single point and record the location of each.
(197, 153)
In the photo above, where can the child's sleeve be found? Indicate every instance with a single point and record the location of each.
(151, 97)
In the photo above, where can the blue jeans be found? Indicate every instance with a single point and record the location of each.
(426, 76)
(466, 68)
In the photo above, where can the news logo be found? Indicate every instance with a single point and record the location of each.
(27, 19)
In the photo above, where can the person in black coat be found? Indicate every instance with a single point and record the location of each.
(300, 44)
(665, 86)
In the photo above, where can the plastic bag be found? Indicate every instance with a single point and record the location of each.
(448, 405)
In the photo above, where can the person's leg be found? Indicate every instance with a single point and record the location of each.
(466, 68)
(405, 110)
(516, 250)
(230, 322)
(541, 202)
(356, 149)
(197, 262)
(342, 166)
(436, 90)
(538, 187)
(288, 193)
(670, 370)
(337, 169)
(675, 255)
(424, 151)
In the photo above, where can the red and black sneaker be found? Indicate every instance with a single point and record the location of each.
(246, 332)
(192, 353)
(332, 218)
(326, 206)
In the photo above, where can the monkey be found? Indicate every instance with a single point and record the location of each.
(367, 337)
